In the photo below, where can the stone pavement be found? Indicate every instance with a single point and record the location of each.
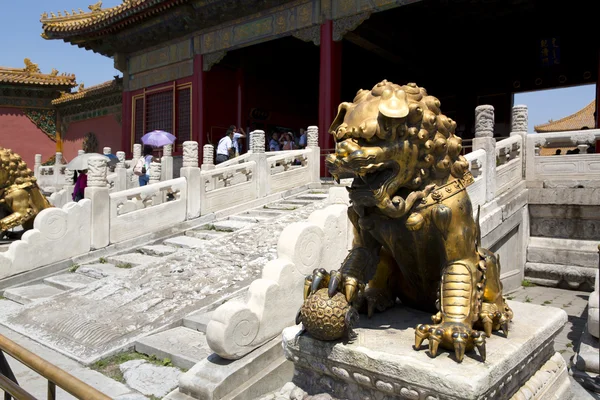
(33, 383)
(573, 302)
(91, 322)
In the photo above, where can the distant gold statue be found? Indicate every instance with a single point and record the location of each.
(415, 236)
(20, 197)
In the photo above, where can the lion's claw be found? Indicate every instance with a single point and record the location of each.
(334, 281)
(450, 336)
(495, 320)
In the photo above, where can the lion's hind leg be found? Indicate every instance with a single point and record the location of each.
(495, 313)
(460, 305)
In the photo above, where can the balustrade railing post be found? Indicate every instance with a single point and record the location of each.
(80, 152)
(36, 166)
(192, 173)
(263, 172)
(121, 171)
(137, 154)
(155, 172)
(519, 124)
(484, 139)
(314, 162)
(208, 158)
(57, 179)
(97, 192)
(166, 162)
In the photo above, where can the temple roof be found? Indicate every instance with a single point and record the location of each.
(112, 86)
(31, 75)
(574, 122)
(98, 19)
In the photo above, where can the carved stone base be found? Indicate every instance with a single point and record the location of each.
(381, 363)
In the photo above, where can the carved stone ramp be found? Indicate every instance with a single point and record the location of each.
(139, 299)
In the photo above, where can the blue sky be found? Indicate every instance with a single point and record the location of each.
(20, 32)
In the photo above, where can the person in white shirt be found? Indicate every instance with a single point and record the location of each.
(238, 133)
(225, 147)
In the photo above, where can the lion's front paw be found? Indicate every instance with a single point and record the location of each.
(373, 299)
(450, 335)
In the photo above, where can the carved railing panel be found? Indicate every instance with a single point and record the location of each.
(477, 189)
(579, 167)
(288, 170)
(228, 186)
(509, 164)
(136, 211)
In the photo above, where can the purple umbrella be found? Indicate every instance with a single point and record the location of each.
(158, 138)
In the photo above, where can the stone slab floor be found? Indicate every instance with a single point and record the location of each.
(90, 322)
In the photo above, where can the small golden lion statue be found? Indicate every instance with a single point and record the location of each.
(20, 197)
(415, 238)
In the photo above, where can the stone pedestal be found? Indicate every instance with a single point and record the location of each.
(381, 363)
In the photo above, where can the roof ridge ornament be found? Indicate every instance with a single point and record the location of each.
(30, 67)
(96, 7)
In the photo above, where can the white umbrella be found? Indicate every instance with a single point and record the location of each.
(81, 161)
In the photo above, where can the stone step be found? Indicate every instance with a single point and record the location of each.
(186, 242)
(158, 250)
(281, 206)
(563, 276)
(198, 320)
(231, 226)
(261, 212)
(312, 197)
(580, 253)
(68, 281)
(205, 234)
(297, 202)
(183, 346)
(99, 271)
(248, 219)
(132, 259)
(29, 294)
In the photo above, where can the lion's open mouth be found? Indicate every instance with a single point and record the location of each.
(374, 176)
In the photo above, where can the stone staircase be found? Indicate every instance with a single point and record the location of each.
(564, 263)
(113, 265)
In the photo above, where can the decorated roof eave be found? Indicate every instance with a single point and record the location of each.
(102, 22)
(105, 89)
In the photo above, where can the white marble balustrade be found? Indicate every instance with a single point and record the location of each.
(145, 209)
(541, 170)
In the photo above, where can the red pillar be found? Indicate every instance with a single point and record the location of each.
(598, 97)
(198, 116)
(329, 88)
(126, 105)
(239, 78)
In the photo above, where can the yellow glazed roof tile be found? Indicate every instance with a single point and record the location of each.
(574, 122)
(113, 85)
(31, 75)
(75, 21)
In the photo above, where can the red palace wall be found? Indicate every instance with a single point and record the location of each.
(19, 134)
(106, 129)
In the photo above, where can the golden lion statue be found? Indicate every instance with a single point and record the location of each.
(20, 197)
(415, 238)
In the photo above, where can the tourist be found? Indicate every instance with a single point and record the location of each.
(80, 185)
(225, 146)
(286, 141)
(557, 152)
(274, 142)
(302, 139)
(238, 133)
(142, 167)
